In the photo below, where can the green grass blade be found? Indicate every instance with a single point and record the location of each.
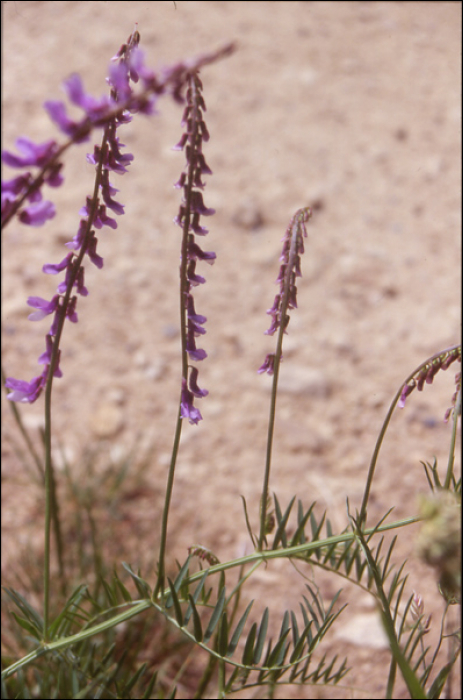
(217, 612)
(176, 603)
(261, 636)
(197, 628)
(238, 631)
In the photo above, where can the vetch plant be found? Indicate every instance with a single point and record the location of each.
(59, 657)
(293, 247)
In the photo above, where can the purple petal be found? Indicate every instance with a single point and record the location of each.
(44, 307)
(71, 310)
(187, 410)
(50, 269)
(407, 389)
(32, 153)
(194, 388)
(196, 327)
(196, 227)
(54, 178)
(193, 352)
(118, 78)
(197, 205)
(102, 219)
(197, 318)
(94, 107)
(75, 130)
(37, 213)
(192, 277)
(45, 357)
(179, 146)
(203, 166)
(78, 239)
(194, 251)
(137, 67)
(25, 392)
(268, 365)
(92, 254)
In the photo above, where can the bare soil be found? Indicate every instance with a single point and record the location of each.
(353, 108)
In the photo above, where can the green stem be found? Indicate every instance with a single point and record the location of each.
(270, 433)
(49, 501)
(379, 441)
(451, 462)
(139, 607)
(298, 219)
(160, 583)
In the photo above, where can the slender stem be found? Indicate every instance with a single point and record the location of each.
(374, 458)
(221, 680)
(298, 219)
(451, 462)
(270, 433)
(379, 441)
(48, 390)
(160, 583)
(139, 607)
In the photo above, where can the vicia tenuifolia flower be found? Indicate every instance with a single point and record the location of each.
(428, 371)
(188, 218)
(107, 157)
(293, 247)
(22, 196)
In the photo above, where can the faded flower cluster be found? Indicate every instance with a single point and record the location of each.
(188, 218)
(290, 269)
(428, 372)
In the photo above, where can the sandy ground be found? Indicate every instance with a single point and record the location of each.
(351, 107)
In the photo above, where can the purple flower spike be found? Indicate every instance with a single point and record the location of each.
(188, 218)
(101, 112)
(427, 372)
(22, 195)
(290, 269)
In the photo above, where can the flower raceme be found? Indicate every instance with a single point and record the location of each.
(293, 247)
(191, 209)
(22, 196)
(109, 158)
(428, 371)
